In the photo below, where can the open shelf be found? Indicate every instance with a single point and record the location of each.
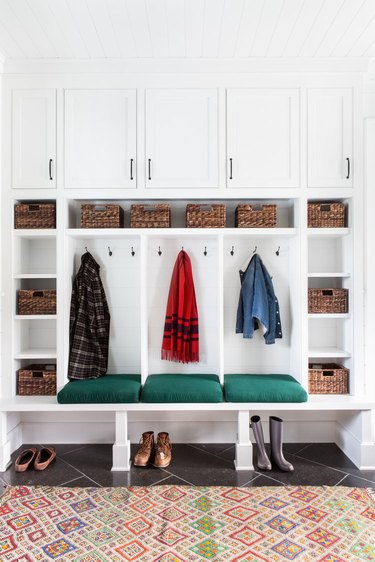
(37, 353)
(327, 352)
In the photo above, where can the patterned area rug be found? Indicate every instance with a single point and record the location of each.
(183, 523)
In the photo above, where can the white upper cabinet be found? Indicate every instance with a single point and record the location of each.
(34, 139)
(181, 138)
(263, 138)
(100, 139)
(330, 137)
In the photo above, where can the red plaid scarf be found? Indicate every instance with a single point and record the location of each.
(181, 335)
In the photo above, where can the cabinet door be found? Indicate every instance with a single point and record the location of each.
(181, 138)
(34, 139)
(330, 130)
(100, 138)
(262, 138)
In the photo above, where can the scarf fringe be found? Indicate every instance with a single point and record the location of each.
(179, 356)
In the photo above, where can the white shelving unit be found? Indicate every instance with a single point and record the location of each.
(137, 285)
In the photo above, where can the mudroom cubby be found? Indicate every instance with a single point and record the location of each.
(119, 258)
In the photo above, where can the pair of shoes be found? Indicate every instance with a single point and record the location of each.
(159, 454)
(38, 459)
(276, 439)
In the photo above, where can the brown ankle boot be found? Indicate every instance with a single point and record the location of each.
(146, 446)
(163, 454)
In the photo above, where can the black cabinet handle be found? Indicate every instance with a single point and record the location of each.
(50, 169)
(348, 162)
(230, 168)
(131, 168)
(149, 168)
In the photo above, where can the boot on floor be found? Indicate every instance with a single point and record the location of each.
(276, 438)
(263, 462)
(163, 452)
(146, 447)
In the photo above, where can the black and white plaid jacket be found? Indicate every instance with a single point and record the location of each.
(89, 323)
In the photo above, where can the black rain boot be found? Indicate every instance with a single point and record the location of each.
(263, 462)
(276, 438)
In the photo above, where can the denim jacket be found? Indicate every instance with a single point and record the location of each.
(258, 304)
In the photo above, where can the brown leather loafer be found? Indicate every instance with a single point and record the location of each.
(25, 458)
(44, 457)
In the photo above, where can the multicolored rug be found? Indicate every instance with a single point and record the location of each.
(184, 523)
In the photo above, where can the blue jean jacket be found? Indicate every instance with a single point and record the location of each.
(258, 303)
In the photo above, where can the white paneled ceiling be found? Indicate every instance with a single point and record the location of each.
(162, 29)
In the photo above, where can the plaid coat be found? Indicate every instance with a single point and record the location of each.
(89, 323)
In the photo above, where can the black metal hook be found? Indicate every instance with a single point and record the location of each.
(109, 251)
(159, 252)
(232, 251)
(133, 252)
(255, 249)
(205, 251)
(86, 249)
(278, 251)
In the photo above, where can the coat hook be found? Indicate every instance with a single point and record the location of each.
(182, 248)
(278, 251)
(255, 249)
(232, 251)
(132, 252)
(86, 249)
(205, 251)
(159, 252)
(109, 251)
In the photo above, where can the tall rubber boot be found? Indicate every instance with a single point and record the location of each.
(276, 438)
(263, 462)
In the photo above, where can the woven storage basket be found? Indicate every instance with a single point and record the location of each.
(328, 301)
(205, 216)
(325, 215)
(150, 216)
(35, 215)
(36, 302)
(102, 216)
(256, 216)
(328, 378)
(36, 380)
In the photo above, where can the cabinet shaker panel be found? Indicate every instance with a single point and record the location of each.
(100, 139)
(262, 137)
(181, 138)
(34, 139)
(330, 137)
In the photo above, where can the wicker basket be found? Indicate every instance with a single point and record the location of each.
(36, 380)
(328, 301)
(36, 302)
(256, 216)
(150, 216)
(102, 216)
(325, 215)
(205, 216)
(35, 215)
(328, 378)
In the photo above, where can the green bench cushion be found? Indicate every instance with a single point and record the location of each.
(182, 388)
(263, 388)
(109, 389)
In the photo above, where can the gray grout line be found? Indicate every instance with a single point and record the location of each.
(342, 479)
(252, 480)
(274, 479)
(179, 477)
(300, 450)
(69, 481)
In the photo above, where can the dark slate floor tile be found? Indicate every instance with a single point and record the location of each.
(328, 454)
(356, 482)
(62, 449)
(82, 482)
(305, 473)
(205, 469)
(171, 481)
(263, 480)
(54, 475)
